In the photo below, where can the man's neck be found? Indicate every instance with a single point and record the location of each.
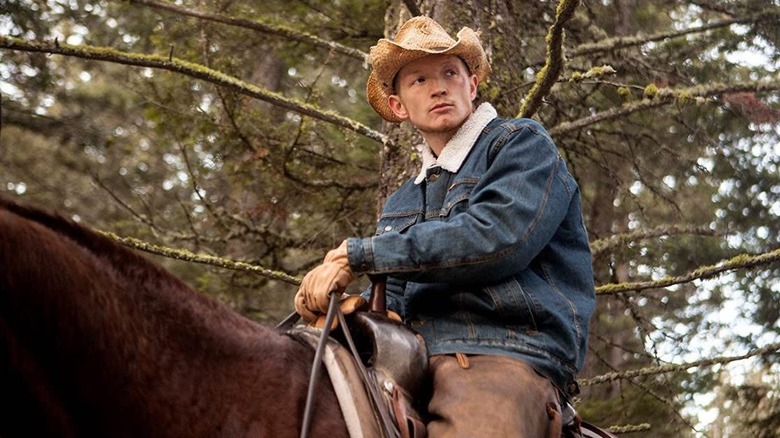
(437, 140)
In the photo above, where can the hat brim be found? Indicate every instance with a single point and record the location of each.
(390, 57)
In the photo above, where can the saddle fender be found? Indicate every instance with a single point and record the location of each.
(393, 350)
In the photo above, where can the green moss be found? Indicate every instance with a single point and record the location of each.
(601, 71)
(624, 93)
(684, 97)
(651, 91)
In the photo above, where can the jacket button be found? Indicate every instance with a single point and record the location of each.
(388, 228)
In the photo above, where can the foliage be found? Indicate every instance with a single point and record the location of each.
(666, 110)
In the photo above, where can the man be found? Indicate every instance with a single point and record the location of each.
(485, 249)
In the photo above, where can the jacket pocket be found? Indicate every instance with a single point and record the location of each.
(457, 197)
(396, 222)
(514, 305)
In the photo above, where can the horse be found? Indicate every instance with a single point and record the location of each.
(97, 340)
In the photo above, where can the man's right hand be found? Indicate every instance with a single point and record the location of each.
(314, 294)
(332, 276)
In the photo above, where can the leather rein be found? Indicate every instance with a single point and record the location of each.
(377, 303)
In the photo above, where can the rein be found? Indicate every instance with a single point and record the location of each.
(333, 308)
(377, 303)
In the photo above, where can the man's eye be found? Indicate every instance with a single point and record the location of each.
(452, 73)
(419, 80)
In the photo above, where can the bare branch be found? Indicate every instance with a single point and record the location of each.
(554, 61)
(193, 70)
(275, 30)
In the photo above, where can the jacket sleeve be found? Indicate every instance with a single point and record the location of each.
(513, 212)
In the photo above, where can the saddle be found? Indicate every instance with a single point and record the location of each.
(376, 384)
(379, 371)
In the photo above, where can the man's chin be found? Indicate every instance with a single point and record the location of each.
(444, 126)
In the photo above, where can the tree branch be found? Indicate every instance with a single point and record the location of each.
(269, 29)
(183, 254)
(738, 262)
(742, 261)
(663, 97)
(554, 61)
(600, 246)
(672, 368)
(193, 70)
(411, 5)
(610, 44)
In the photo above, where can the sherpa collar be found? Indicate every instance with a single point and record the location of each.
(460, 144)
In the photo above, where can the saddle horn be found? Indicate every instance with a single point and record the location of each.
(377, 303)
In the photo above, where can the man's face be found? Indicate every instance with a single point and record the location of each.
(435, 94)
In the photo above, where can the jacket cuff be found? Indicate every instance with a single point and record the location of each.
(360, 254)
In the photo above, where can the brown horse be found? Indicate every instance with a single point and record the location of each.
(95, 340)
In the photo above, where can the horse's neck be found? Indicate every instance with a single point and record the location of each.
(99, 340)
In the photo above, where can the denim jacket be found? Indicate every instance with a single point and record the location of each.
(492, 258)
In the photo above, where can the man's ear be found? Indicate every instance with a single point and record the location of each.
(398, 108)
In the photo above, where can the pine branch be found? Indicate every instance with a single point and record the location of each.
(655, 97)
(275, 30)
(673, 368)
(743, 261)
(554, 61)
(193, 70)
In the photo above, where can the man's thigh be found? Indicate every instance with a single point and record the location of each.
(490, 396)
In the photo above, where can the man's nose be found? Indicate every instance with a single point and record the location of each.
(438, 88)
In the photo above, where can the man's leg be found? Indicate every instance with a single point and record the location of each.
(490, 396)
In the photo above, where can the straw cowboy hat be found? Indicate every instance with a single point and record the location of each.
(417, 38)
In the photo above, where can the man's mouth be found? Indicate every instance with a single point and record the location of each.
(439, 106)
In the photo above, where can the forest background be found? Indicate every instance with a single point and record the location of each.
(232, 142)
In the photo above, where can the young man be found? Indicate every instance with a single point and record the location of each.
(485, 250)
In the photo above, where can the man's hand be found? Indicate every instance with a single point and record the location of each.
(347, 305)
(332, 276)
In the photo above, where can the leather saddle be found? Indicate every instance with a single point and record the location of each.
(379, 378)
(379, 371)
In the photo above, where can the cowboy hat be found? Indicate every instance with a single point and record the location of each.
(417, 38)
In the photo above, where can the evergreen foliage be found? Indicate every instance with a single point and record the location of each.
(240, 131)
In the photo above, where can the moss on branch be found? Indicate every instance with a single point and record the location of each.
(554, 61)
(743, 261)
(193, 70)
(189, 256)
(655, 97)
(269, 29)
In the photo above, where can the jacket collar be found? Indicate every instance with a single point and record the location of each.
(455, 151)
